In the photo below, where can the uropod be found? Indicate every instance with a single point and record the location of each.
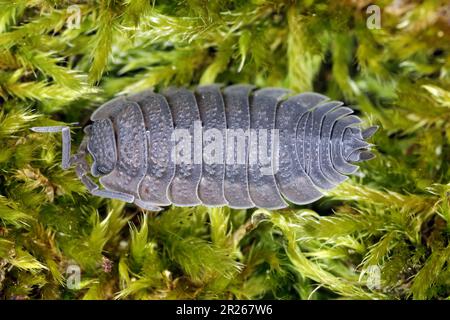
(234, 146)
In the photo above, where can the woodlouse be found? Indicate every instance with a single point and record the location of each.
(131, 142)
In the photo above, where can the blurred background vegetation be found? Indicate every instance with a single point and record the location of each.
(390, 222)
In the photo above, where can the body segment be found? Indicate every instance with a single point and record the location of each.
(154, 187)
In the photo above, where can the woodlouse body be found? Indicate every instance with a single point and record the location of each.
(131, 141)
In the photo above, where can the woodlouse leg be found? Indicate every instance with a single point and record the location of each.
(66, 141)
(82, 167)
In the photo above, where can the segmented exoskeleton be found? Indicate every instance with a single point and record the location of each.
(131, 141)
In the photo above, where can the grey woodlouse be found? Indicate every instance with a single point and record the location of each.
(130, 141)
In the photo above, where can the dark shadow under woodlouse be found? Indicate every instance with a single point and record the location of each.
(312, 144)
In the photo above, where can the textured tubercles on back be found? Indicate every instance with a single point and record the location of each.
(109, 109)
(328, 168)
(293, 181)
(102, 147)
(319, 153)
(132, 151)
(237, 112)
(264, 150)
(235, 147)
(188, 168)
(212, 114)
(339, 161)
(154, 188)
(317, 166)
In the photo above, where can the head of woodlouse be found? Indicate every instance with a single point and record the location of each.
(101, 146)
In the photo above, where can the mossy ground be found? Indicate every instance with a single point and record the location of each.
(391, 222)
